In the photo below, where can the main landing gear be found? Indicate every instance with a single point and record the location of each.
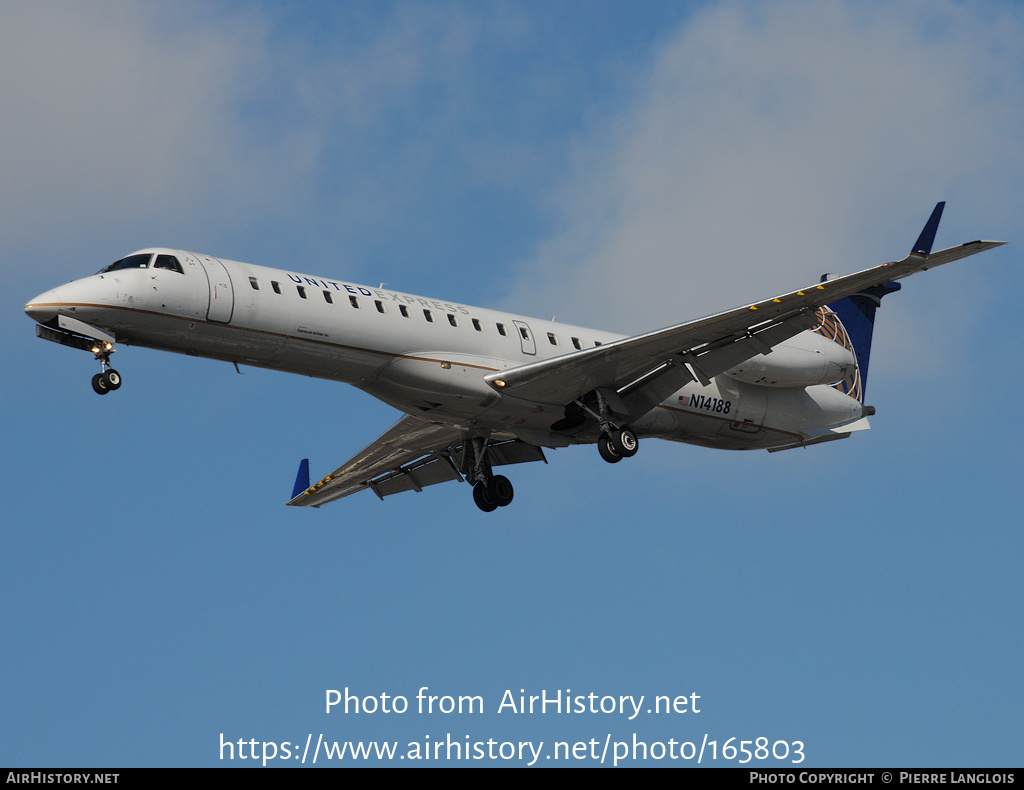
(616, 444)
(616, 441)
(490, 491)
(109, 379)
(496, 492)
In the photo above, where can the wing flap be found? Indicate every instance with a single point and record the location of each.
(514, 452)
(416, 476)
(707, 362)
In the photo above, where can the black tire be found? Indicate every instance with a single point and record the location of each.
(482, 500)
(607, 449)
(112, 379)
(625, 442)
(499, 490)
(99, 384)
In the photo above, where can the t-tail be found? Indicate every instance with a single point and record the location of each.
(856, 313)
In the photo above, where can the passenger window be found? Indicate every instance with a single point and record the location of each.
(170, 263)
(476, 325)
(552, 339)
(524, 332)
(380, 306)
(276, 286)
(254, 283)
(428, 316)
(354, 302)
(576, 343)
(403, 310)
(328, 298)
(301, 290)
(452, 320)
(597, 343)
(501, 330)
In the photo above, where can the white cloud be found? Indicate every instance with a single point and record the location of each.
(107, 116)
(126, 122)
(773, 142)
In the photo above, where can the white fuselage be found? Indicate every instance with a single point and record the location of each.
(428, 357)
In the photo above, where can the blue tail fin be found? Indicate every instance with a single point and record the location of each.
(857, 315)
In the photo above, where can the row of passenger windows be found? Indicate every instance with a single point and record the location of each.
(428, 315)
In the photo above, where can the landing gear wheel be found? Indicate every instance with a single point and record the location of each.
(482, 500)
(112, 379)
(606, 448)
(625, 442)
(499, 490)
(99, 384)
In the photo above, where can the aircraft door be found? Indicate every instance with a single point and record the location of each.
(222, 295)
(526, 337)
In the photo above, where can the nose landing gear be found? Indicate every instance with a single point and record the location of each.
(109, 379)
(106, 381)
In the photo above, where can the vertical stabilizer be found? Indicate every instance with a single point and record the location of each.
(857, 315)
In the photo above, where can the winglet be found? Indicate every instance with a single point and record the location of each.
(302, 478)
(923, 245)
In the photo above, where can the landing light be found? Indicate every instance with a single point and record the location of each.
(499, 382)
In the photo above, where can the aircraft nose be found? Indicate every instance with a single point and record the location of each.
(43, 307)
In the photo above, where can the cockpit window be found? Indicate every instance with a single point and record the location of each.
(169, 262)
(140, 261)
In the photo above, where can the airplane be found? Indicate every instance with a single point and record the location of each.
(482, 388)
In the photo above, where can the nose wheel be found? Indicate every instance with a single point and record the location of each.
(104, 382)
(108, 379)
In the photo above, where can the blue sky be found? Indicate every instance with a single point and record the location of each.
(619, 166)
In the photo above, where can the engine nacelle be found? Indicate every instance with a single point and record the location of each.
(803, 361)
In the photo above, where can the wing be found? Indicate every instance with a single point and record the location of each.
(409, 456)
(636, 373)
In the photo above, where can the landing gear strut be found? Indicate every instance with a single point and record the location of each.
(490, 491)
(109, 379)
(616, 441)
